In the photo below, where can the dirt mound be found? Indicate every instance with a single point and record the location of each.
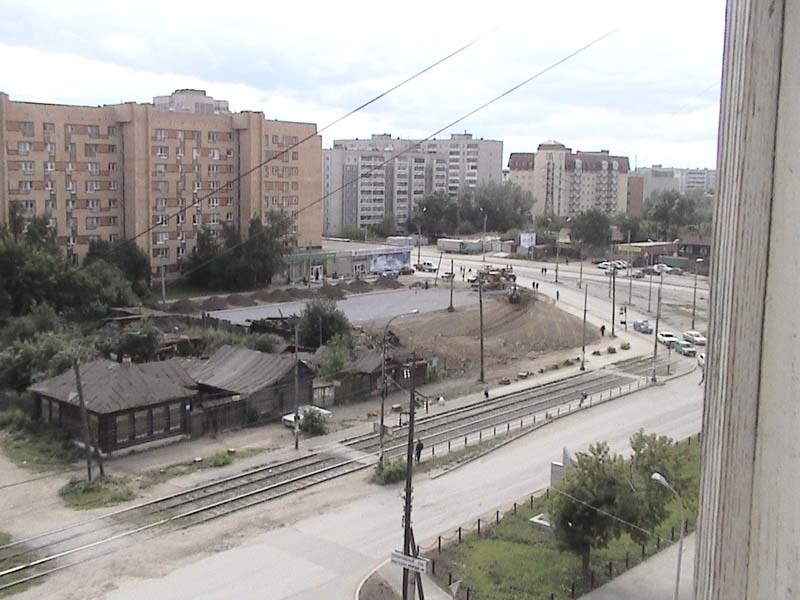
(359, 286)
(332, 291)
(215, 303)
(277, 296)
(241, 300)
(262, 295)
(183, 306)
(387, 283)
(300, 293)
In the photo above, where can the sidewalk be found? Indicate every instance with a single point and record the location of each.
(393, 575)
(654, 579)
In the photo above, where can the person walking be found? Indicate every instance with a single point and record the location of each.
(557, 295)
(583, 399)
(418, 449)
(486, 392)
(602, 330)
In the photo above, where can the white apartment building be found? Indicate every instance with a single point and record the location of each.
(659, 178)
(565, 183)
(365, 180)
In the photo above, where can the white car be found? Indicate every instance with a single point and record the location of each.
(695, 337)
(666, 337)
(662, 268)
(604, 265)
(302, 411)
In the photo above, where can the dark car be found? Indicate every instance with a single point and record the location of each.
(406, 270)
(643, 326)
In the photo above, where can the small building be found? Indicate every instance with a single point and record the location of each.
(127, 403)
(237, 386)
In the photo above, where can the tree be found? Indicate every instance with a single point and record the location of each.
(339, 354)
(267, 243)
(506, 205)
(387, 227)
(139, 341)
(435, 215)
(126, 256)
(592, 227)
(628, 223)
(669, 211)
(321, 313)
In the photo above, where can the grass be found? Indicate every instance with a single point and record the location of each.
(34, 444)
(219, 459)
(513, 559)
(101, 491)
(7, 563)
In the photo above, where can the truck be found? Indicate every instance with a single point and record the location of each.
(450, 245)
(426, 266)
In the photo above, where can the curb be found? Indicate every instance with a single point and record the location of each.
(357, 595)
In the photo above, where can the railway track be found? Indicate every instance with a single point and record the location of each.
(73, 544)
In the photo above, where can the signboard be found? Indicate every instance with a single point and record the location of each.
(527, 240)
(412, 563)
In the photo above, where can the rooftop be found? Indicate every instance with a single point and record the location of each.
(241, 370)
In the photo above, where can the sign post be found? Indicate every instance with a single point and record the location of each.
(412, 563)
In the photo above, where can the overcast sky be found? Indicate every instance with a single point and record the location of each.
(649, 91)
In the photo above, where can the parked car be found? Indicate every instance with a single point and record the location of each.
(406, 270)
(666, 337)
(448, 275)
(637, 274)
(472, 279)
(302, 411)
(661, 268)
(701, 359)
(695, 337)
(685, 348)
(598, 260)
(426, 266)
(604, 265)
(389, 274)
(643, 326)
(621, 264)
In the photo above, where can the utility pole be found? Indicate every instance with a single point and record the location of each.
(480, 310)
(320, 331)
(88, 440)
(630, 270)
(694, 294)
(452, 279)
(655, 331)
(583, 342)
(650, 291)
(558, 256)
(296, 391)
(580, 260)
(613, 299)
(419, 244)
(408, 592)
(163, 286)
(483, 241)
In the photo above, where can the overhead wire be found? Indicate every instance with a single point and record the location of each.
(228, 249)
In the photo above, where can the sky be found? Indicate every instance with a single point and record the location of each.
(649, 91)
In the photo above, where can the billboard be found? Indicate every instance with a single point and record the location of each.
(527, 240)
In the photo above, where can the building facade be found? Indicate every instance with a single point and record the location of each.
(565, 183)
(156, 174)
(659, 178)
(366, 180)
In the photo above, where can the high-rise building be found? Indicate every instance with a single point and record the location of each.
(703, 180)
(565, 183)
(658, 178)
(154, 173)
(635, 195)
(366, 180)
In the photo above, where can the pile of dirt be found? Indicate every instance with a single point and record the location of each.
(278, 296)
(241, 300)
(359, 286)
(387, 283)
(333, 292)
(262, 296)
(215, 303)
(184, 307)
(300, 293)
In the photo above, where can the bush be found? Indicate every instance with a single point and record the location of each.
(313, 423)
(393, 471)
(321, 312)
(625, 346)
(102, 491)
(35, 444)
(612, 350)
(220, 459)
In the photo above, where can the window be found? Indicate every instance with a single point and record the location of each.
(229, 153)
(229, 202)
(113, 237)
(161, 203)
(112, 166)
(161, 170)
(162, 186)
(162, 220)
(26, 128)
(161, 134)
(91, 222)
(112, 130)
(71, 240)
(27, 206)
(160, 423)
(50, 148)
(214, 219)
(92, 186)
(70, 167)
(213, 185)
(141, 424)
(229, 217)
(27, 167)
(181, 218)
(94, 238)
(113, 203)
(162, 237)
(94, 168)
(162, 151)
(181, 251)
(212, 170)
(194, 219)
(182, 236)
(275, 139)
(195, 153)
(161, 252)
(93, 131)
(123, 423)
(90, 149)
(213, 136)
(68, 129)
(175, 417)
(71, 148)
(70, 204)
(198, 186)
(23, 148)
(93, 204)
(49, 127)
(295, 155)
(50, 204)
(112, 147)
(213, 202)
(49, 166)
(112, 185)
(25, 187)
(180, 186)
(215, 154)
(113, 220)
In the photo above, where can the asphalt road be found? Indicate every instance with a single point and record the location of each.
(326, 556)
(363, 308)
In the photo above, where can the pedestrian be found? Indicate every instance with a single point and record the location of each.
(557, 296)
(533, 284)
(537, 286)
(583, 398)
(567, 261)
(426, 284)
(486, 392)
(418, 449)
(602, 330)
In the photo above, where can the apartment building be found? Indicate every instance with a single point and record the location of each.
(565, 183)
(365, 180)
(134, 171)
(703, 180)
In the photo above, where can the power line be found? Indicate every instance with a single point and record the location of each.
(240, 176)
(414, 146)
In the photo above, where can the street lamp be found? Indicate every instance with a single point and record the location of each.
(661, 480)
(558, 248)
(383, 381)
(483, 241)
(419, 236)
(694, 295)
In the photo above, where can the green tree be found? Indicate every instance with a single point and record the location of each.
(387, 227)
(506, 206)
(321, 313)
(628, 223)
(139, 341)
(339, 354)
(435, 215)
(126, 256)
(267, 244)
(592, 228)
(669, 211)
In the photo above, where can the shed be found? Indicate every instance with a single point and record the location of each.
(127, 403)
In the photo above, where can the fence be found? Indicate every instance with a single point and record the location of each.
(482, 527)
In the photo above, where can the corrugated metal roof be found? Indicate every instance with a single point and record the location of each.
(242, 371)
(110, 386)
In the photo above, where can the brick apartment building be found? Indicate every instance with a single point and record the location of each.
(111, 172)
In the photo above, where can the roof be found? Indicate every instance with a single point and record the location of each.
(367, 362)
(521, 161)
(110, 386)
(593, 161)
(241, 370)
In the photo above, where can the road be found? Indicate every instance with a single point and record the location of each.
(327, 555)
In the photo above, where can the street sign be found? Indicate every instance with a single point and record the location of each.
(412, 563)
